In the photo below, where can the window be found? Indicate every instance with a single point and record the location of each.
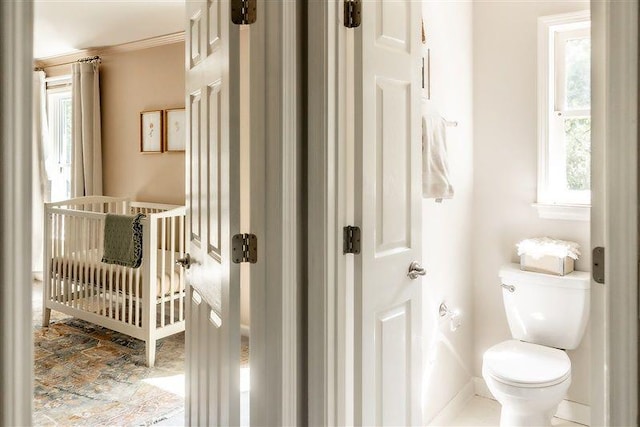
(60, 154)
(564, 98)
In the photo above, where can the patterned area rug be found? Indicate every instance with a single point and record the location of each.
(86, 375)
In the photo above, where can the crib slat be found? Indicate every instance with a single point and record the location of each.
(123, 295)
(74, 260)
(111, 314)
(130, 295)
(102, 287)
(81, 253)
(93, 270)
(163, 270)
(183, 292)
(82, 281)
(86, 227)
(172, 263)
(65, 257)
(55, 256)
(118, 286)
(60, 269)
(137, 299)
(61, 262)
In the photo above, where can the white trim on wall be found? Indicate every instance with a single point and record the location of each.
(598, 360)
(277, 279)
(620, 203)
(16, 355)
(68, 58)
(322, 132)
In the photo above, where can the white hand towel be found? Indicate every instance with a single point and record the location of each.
(435, 164)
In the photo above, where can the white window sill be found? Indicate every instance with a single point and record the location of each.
(564, 212)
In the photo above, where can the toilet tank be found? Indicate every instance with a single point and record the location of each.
(543, 309)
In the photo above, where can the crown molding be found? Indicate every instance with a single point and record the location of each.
(69, 58)
(144, 44)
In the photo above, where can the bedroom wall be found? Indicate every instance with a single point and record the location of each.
(505, 165)
(447, 228)
(131, 82)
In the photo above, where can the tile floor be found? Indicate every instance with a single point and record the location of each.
(481, 412)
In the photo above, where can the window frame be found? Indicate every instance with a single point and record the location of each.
(551, 202)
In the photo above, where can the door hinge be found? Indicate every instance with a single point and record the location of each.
(351, 240)
(352, 11)
(597, 269)
(243, 12)
(244, 248)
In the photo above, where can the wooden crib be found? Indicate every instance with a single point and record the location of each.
(146, 302)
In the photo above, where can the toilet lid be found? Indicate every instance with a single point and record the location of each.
(524, 364)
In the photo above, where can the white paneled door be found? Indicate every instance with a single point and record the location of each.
(388, 144)
(212, 329)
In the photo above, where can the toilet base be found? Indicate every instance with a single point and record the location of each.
(512, 417)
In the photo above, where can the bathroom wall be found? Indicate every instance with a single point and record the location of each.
(447, 225)
(505, 165)
(131, 82)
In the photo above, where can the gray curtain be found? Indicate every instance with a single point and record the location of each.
(86, 167)
(39, 178)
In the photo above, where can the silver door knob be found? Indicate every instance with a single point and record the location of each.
(185, 262)
(416, 270)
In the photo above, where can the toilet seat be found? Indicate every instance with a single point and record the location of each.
(522, 364)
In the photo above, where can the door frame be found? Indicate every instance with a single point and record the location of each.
(614, 212)
(16, 67)
(330, 376)
(277, 202)
(614, 316)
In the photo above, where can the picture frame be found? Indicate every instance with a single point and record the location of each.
(175, 130)
(151, 131)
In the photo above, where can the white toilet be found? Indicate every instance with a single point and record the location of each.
(530, 374)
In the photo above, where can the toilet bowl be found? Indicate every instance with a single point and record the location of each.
(528, 380)
(530, 374)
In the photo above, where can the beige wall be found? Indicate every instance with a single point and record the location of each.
(447, 228)
(505, 165)
(131, 82)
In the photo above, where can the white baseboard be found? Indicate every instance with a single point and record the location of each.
(567, 410)
(481, 388)
(574, 411)
(455, 406)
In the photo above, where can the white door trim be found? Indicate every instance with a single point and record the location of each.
(615, 214)
(330, 378)
(278, 361)
(16, 68)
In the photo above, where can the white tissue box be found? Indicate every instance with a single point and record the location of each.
(547, 264)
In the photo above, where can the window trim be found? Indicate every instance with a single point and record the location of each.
(56, 86)
(547, 205)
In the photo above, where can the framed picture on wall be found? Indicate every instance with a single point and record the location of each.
(151, 131)
(174, 129)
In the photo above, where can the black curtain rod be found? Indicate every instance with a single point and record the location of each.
(89, 59)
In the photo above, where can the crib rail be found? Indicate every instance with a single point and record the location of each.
(102, 204)
(145, 302)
